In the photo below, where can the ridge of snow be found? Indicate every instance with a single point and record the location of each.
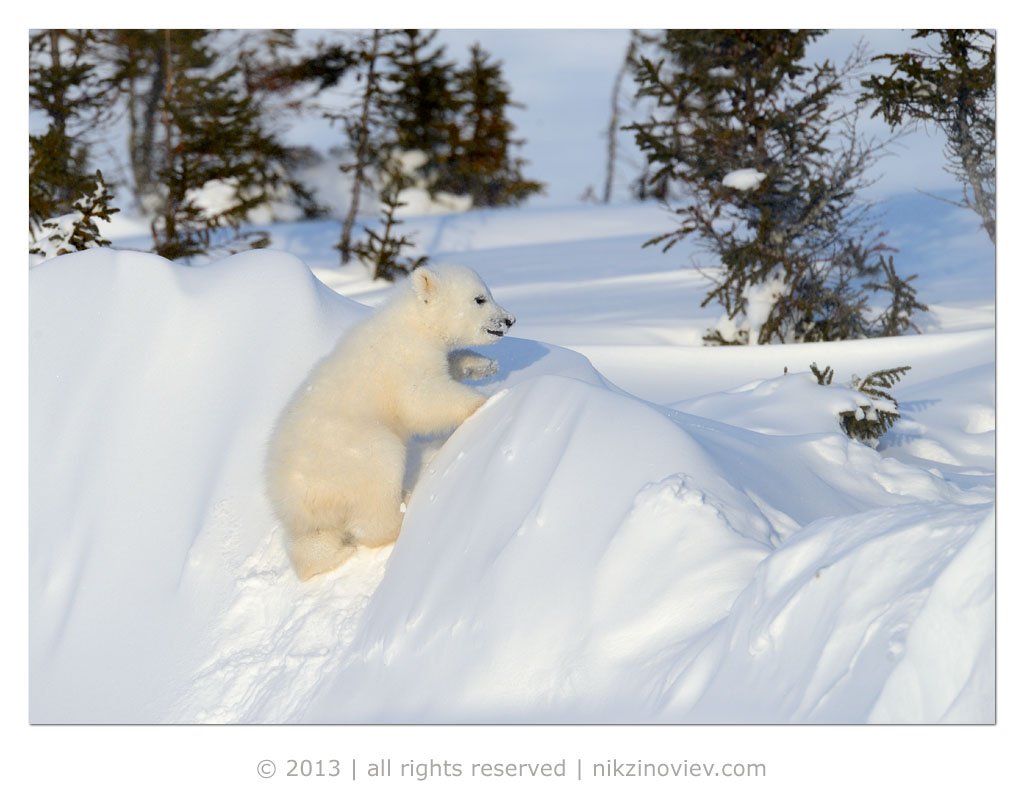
(572, 552)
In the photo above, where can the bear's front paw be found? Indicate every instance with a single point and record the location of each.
(467, 365)
(484, 368)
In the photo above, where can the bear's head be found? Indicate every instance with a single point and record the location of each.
(458, 307)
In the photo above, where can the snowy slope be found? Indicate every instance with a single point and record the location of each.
(592, 571)
(718, 551)
(152, 390)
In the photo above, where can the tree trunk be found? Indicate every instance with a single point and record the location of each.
(982, 204)
(613, 124)
(362, 143)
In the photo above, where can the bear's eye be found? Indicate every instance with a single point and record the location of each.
(481, 299)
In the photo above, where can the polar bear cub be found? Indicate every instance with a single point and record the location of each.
(337, 455)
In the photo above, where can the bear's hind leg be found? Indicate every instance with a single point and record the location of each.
(375, 516)
(319, 552)
(378, 519)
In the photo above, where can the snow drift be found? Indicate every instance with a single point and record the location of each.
(571, 553)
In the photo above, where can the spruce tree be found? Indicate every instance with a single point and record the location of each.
(266, 60)
(950, 82)
(386, 119)
(411, 99)
(138, 66)
(213, 144)
(482, 163)
(365, 127)
(895, 319)
(421, 106)
(614, 127)
(198, 125)
(272, 72)
(381, 249)
(324, 68)
(78, 230)
(65, 86)
(868, 422)
(769, 166)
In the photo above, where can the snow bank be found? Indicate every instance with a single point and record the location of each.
(582, 572)
(570, 553)
(152, 390)
(744, 179)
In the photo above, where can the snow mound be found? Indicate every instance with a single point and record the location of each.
(744, 179)
(580, 571)
(152, 389)
(570, 553)
(418, 201)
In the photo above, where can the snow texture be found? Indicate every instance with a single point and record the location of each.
(743, 179)
(681, 534)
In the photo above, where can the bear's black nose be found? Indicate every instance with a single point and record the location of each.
(510, 321)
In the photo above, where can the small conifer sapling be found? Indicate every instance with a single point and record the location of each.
(868, 422)
(78, 230)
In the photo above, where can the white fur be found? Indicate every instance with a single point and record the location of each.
(337, 455)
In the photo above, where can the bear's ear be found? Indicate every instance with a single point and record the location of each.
(425, 283)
